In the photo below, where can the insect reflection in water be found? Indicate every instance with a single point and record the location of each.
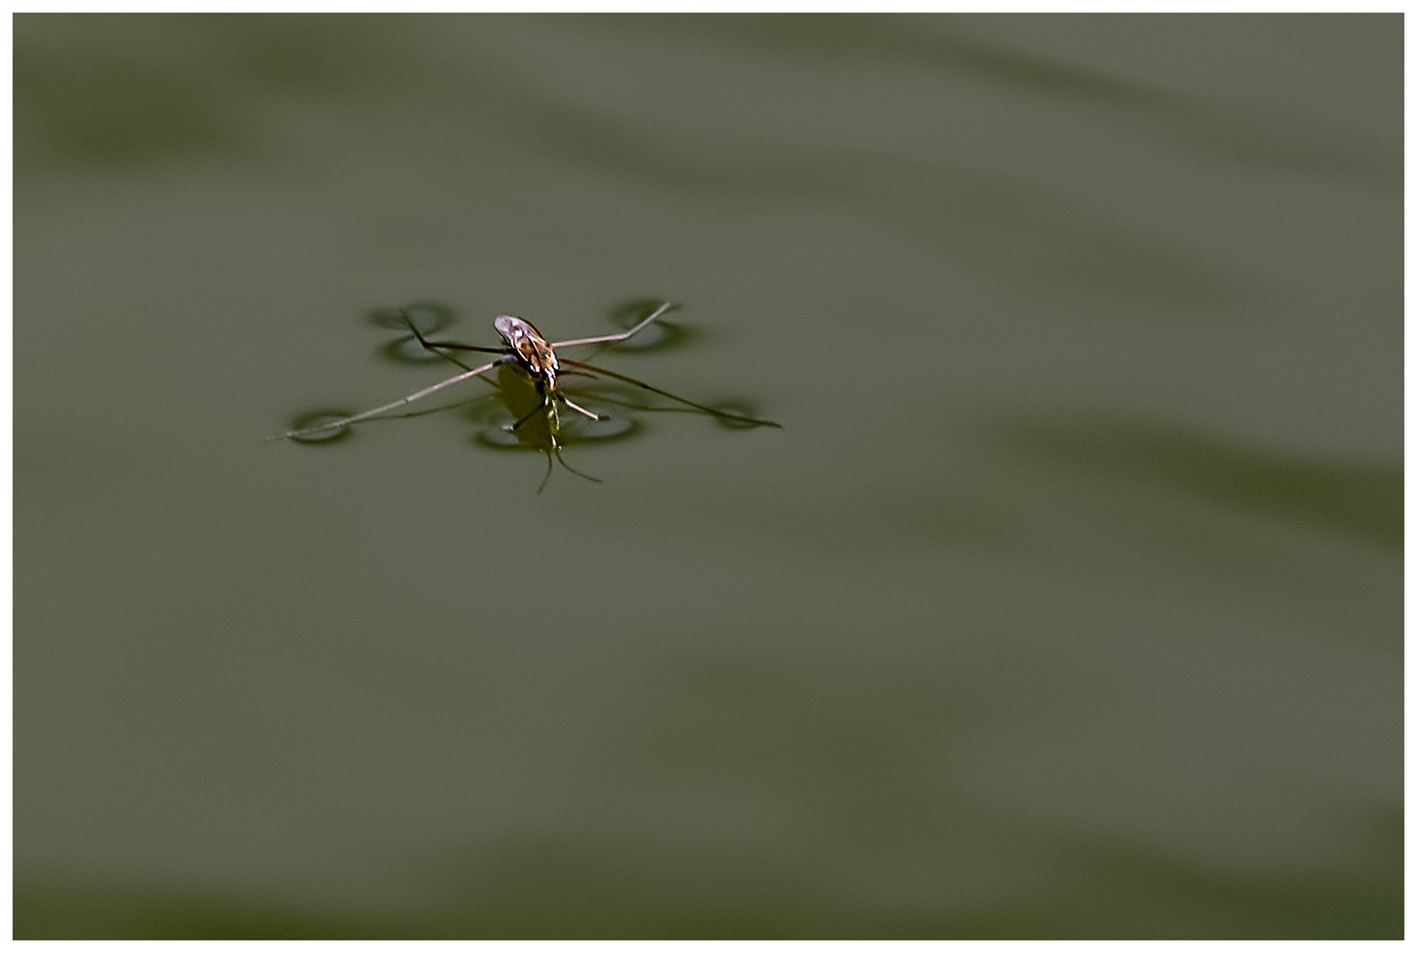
(527, 358)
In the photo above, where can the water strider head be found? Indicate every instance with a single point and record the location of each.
(532, 350)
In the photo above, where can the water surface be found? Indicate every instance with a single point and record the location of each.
(1066, 603)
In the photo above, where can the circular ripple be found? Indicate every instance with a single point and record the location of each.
(498, 438)
(606, 428)
(407, 350)
(658, 336)
(426, 317)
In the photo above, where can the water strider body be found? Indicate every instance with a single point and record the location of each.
(525, 350)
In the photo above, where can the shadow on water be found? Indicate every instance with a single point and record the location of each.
(1359, 500)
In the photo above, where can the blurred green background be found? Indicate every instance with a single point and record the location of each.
(1067, 603)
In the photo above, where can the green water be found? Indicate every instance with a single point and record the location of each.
(1066, 603)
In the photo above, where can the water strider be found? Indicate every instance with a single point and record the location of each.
(526, 351)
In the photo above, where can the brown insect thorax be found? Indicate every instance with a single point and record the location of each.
(532, 350)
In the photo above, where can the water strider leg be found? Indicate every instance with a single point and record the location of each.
(572, 469)
(435, 345)
(336, 424)
(539, 408)
(574, 406)
(608, 338)
(741, 418)
(557, 450)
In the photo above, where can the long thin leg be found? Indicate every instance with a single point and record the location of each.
(607, 338)
(544, 480)
(572, 469)
(556, 449)
(574, 406)
(336, 424)
(664, 393)
(548, 475)
(433, 345)
(439, 410)
(539, 408)
(607, 399)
